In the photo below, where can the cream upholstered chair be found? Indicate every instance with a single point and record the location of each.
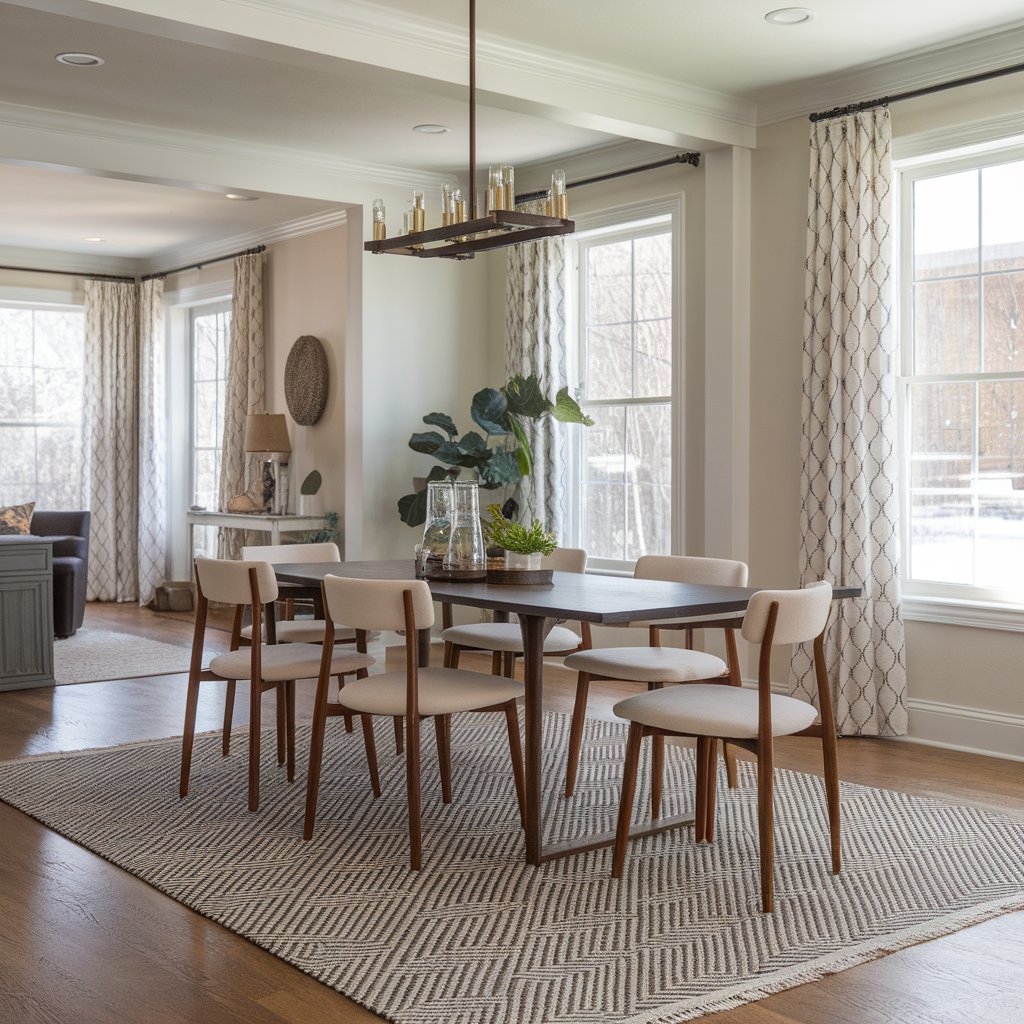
(504, 639)
(416, 693)
(748, 718)
(656, 665)
(266, 666)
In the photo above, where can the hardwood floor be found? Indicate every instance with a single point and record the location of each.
(84, 941)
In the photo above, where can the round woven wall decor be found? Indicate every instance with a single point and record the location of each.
(305, 380)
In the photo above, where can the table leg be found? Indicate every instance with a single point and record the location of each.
(534, 629)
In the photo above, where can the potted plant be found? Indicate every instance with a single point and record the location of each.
(309, 504)
(524, 546)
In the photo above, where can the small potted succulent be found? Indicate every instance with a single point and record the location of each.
(524, 546)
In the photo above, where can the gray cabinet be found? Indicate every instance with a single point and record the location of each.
(26, 612)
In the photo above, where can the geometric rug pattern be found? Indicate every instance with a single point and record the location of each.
(478, 937)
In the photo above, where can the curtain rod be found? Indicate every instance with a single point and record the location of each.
(205, 263)
(693, 159)
(70, 273)
(927, 90)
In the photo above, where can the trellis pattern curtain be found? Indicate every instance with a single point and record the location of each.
(246, 384)
(849, 523)
(110, 438)
(535, 343)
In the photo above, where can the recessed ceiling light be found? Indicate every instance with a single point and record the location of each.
(80, 60)
(430, 129)
(240, 197)
(789, 16)
(93, 238)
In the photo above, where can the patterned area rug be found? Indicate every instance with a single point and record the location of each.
(93, 655)
(477, 937)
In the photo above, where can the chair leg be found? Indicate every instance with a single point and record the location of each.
(316, 755)
(446, 659)
(229, 711)
(371, 753)
(495, 663)
(412, 781)
(729, 753)
(398, 734)
(629, 770)
(657, 774)
(831, 758)
(766, 824)
(188, 734)
(711, 785)
(289, 718)
(508, 669)
(281, 725)
(700, 790)
(579, 718)
(444, 755)
(255, 709)
(348, 718)
(515, 748)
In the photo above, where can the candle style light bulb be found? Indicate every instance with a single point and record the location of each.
(379, 229)
(419, 210)
(508, 184)
(559, 196)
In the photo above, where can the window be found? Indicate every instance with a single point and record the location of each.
(210, 335)
(41, 380)
(623, 470)
(962, 384)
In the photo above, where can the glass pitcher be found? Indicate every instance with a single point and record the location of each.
(466, 557)
(438, 527)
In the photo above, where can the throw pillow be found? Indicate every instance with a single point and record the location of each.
(16, 520)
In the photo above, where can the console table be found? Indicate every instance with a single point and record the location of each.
(26, 612)
(262, 522)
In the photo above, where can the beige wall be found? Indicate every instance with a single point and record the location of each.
(947, 665)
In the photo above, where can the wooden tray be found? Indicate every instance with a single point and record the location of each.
(458, 575)
(523, 577)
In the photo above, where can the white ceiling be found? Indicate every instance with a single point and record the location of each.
(345, 80)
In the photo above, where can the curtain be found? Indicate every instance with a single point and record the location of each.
(246, 383)
(152, 478)
(535, 343)
(849, 522)
(110, 438)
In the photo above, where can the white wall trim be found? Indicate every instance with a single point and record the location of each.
(198, 294)
(959, 612)
(959, 139)
(83, 263)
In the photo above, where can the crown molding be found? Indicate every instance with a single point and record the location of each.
(916, 69)
(56, 261)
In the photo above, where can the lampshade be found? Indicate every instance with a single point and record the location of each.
(266, 432)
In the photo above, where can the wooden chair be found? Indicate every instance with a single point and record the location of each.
(266, 666)
(416, 693)
(504, 639)
(750, 719)
(656, 665)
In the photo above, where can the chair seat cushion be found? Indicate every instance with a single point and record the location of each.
(304, 631)
(286, 661)
(506, 636)
(648, 664)
(710, 709)
(443, 691)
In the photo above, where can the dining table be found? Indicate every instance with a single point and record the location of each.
(584, 597)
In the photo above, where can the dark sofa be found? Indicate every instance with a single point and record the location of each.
(70, 565)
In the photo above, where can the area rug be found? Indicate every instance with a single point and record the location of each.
(478, 937)
(92, 655)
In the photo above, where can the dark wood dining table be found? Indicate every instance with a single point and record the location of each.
(580, 597)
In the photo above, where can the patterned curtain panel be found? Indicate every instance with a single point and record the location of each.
(152, 440)
(110, 438)
(245, 385)
(535, 343)
(849, 524)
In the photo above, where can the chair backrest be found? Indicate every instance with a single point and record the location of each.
(802, 614)
(227, 581)
(65, 524)
(277, 554)
(377, 604)
(566, 560)
(722, 572)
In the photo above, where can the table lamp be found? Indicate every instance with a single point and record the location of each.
(266, 434)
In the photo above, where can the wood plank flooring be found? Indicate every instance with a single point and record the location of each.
(83, 941)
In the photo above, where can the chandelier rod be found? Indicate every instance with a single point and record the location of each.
(472, 109)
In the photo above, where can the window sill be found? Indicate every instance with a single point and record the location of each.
(961, 612)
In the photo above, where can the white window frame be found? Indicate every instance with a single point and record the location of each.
(622, 223)
(924, 600)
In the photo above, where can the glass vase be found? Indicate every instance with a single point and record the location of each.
(466, 557)
(437, 529)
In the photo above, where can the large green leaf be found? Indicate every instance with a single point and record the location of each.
(412, 508)
(567, 410)
(525, 397)
(442, 420)
(524, 457)
(428, 443)
(501, 470)
(452, 453)
(473, 442)
(488, 411)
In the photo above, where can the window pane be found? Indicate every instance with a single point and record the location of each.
(609, 362)
(603, 531)
(999, 540)
(206, 478)
(19, 462)
(16, 390)
(609, 283)
(1001, 436)
(942, 435)
(946, 336)
(946, 225)
(206, 426)
(653, 267)
(1004, 325)
(1002, 217)
(58, 338)
(205, 353)
(15, 337)
(941, 538)
(649, 471)
(58, 396)
(653, 359)
(604, 484)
